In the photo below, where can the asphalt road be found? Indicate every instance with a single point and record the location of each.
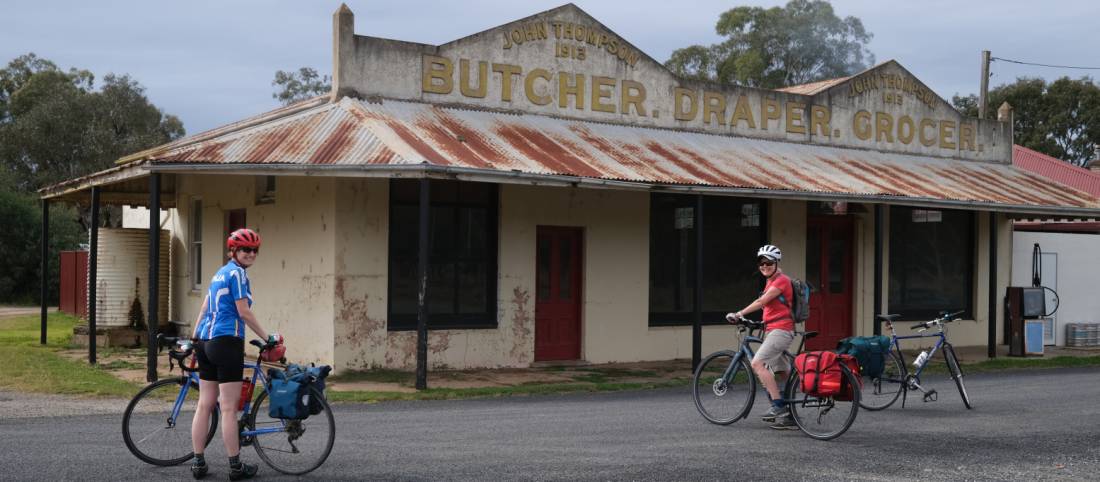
(1025, 425)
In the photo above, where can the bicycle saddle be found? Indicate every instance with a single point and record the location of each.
(889, 318)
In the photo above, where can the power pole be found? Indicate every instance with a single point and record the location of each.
(983, 97)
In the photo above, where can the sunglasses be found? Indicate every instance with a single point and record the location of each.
(767, 263)
(251, 250)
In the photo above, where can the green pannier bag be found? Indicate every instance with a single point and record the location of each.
(870, 351)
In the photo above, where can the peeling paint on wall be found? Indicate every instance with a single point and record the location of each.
(521, 326)
(401, 349)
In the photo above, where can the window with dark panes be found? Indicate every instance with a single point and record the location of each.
(462, 268)
(733, 229)
(931, 262)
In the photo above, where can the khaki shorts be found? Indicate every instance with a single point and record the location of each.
(771, 351)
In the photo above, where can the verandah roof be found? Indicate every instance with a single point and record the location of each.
(387, 138)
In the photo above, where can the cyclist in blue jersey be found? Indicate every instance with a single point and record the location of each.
(220, 333)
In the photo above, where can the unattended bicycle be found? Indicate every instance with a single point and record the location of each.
(157, 423)
(882, 391)
(724, 389)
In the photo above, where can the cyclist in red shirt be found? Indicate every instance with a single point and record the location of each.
(778, 333)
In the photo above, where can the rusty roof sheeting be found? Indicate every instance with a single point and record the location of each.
(813, 88)
(354, 132)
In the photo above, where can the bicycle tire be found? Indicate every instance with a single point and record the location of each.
(956, 373)
(144, 427)
(281, 450)
(881, 392)
(810, 411)
(707, 386)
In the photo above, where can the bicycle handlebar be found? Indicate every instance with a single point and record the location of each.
(943, 319)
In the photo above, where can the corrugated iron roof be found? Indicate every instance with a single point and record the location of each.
(813, 87)
(397, 133)
(1056, 169)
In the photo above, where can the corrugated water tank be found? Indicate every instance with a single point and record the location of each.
(123, 273)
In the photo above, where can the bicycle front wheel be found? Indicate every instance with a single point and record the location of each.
(301, 445)
(956, 373)
(149, 429)
(882, 391)
(824, 418)
(723, 390)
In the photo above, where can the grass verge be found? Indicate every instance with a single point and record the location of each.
(32, 367)
(998, 364)
(493, 392)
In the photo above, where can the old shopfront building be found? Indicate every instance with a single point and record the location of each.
(567, 170)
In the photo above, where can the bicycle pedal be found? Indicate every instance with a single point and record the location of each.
(930, 396)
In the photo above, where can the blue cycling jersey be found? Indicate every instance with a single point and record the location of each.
(227, 286)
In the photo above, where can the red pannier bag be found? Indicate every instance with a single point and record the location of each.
(821, 375)
(845, 389)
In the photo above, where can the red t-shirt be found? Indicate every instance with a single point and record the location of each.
(777, 314)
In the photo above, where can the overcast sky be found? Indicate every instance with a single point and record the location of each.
(211, 62)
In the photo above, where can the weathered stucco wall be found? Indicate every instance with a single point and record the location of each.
(295, 269)
(362, 246)
(563, 62)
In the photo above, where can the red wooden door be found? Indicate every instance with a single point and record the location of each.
(829, 270)
(558, 293)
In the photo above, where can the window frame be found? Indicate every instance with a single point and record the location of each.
(486, 319)
(922, 313)
(686, 318)
(195, 245)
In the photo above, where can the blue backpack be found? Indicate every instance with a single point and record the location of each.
(800, 304)
(290, 391)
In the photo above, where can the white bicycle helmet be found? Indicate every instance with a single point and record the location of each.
(769, 251)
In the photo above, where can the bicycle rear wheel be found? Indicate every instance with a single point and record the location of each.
(723, 399)
(823, 418)
(302, 445)
(151, 434)
(956, 373)
(882, 391)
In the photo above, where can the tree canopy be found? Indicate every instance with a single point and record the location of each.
(799, 43)
(306, 83)
(56, 125)
(1060, 119)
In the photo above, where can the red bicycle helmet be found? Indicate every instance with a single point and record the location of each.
(243, 238)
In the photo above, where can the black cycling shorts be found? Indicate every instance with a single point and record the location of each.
(221, 359)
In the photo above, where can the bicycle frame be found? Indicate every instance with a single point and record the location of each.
(901, 355)
(746, 352)
(257, 374)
